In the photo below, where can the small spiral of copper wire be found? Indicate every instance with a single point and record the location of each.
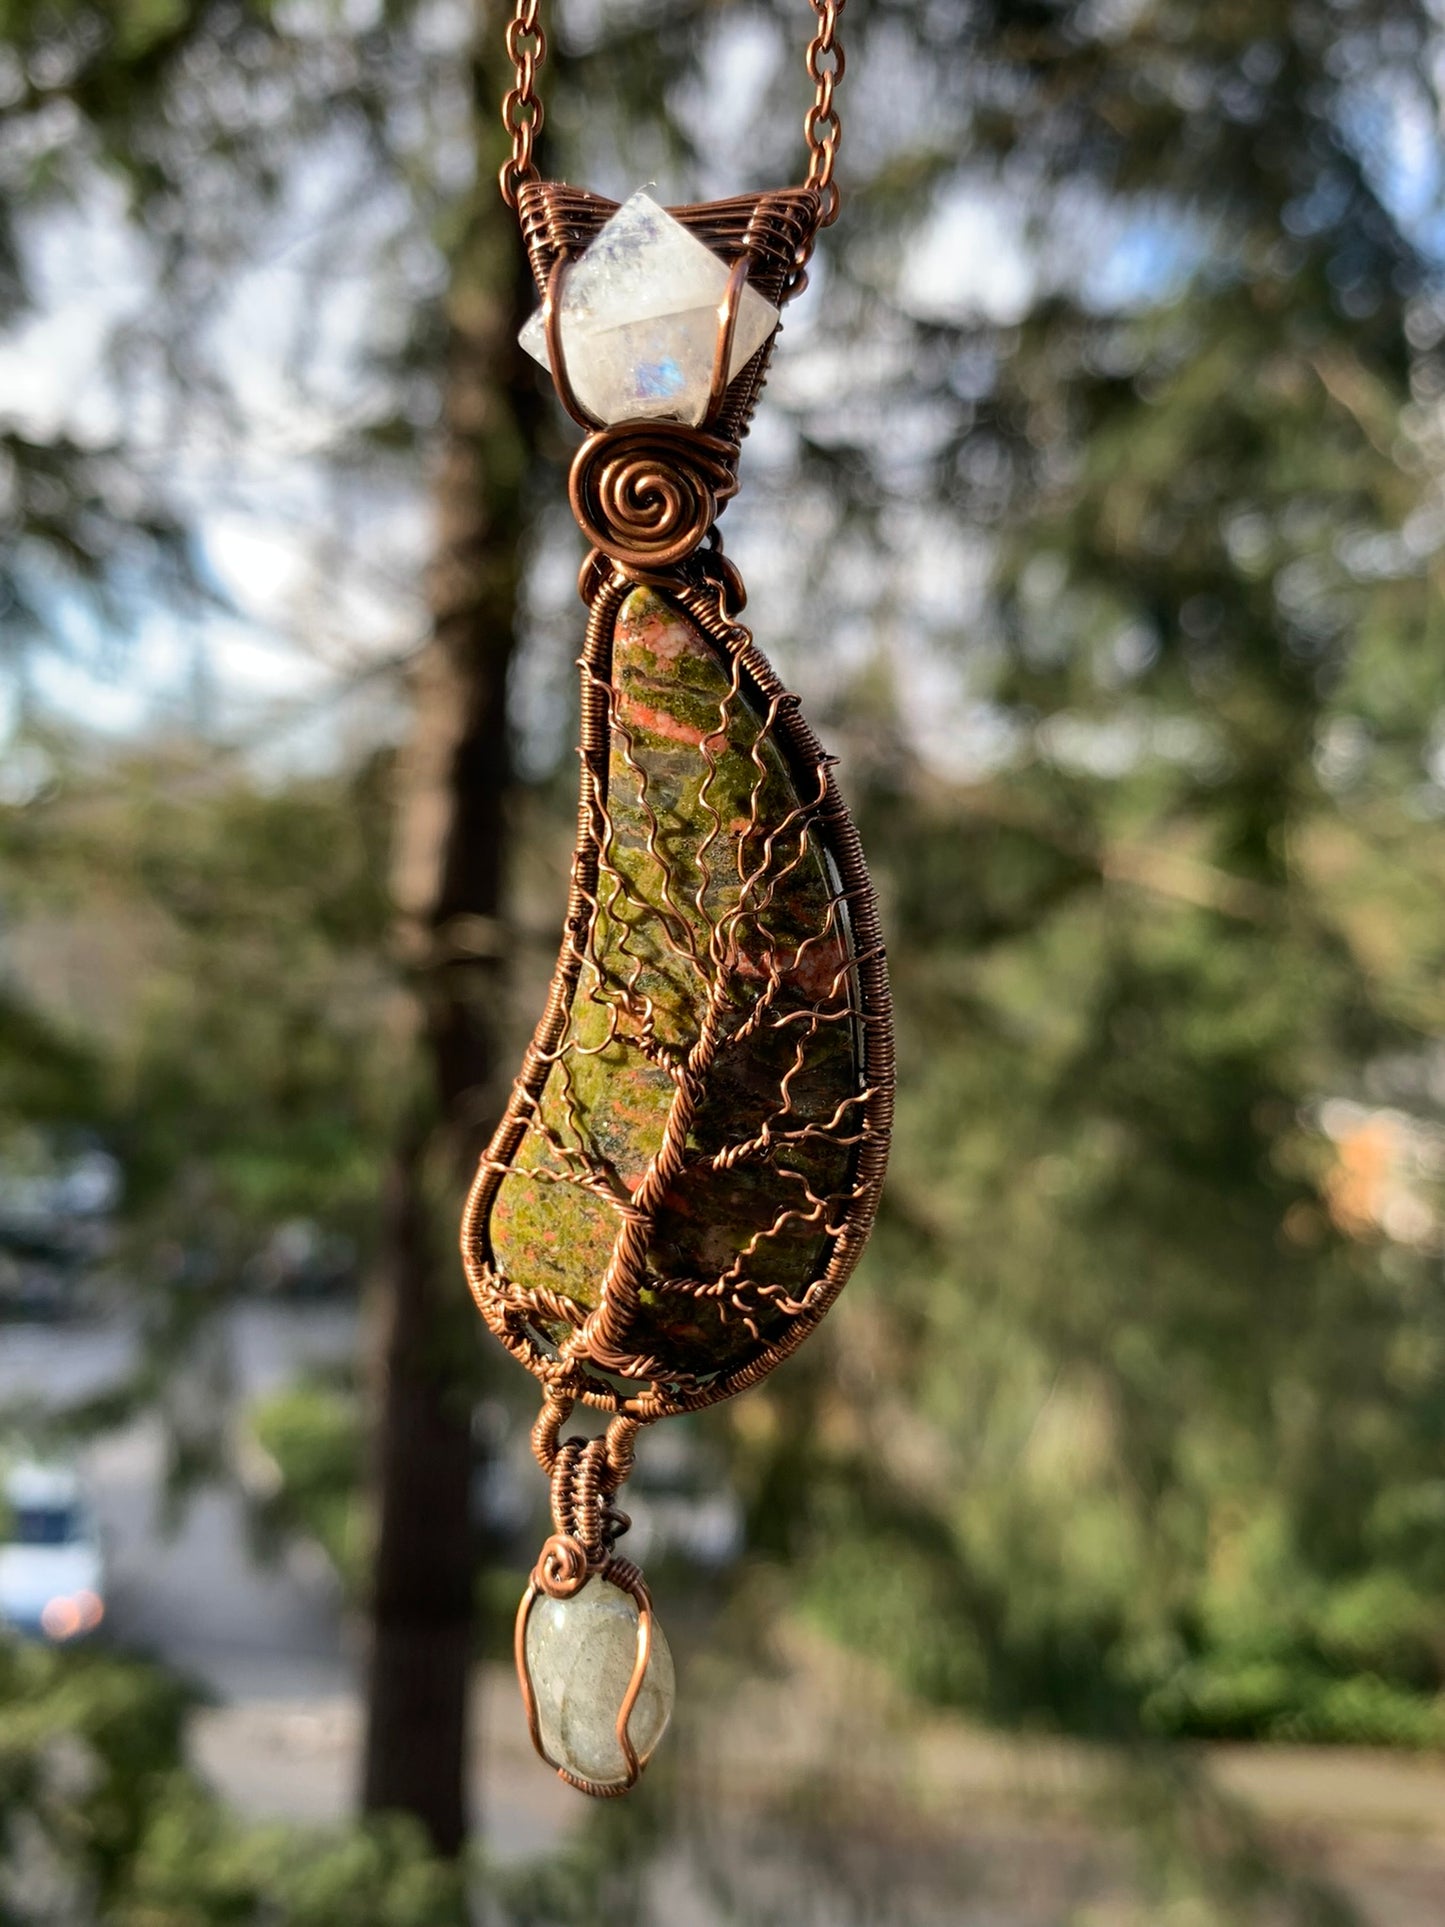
(562, 1568)
(646, 493)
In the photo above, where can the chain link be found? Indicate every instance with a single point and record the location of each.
(822, 128)
(522, 104)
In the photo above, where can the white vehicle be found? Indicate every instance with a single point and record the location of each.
(52, 1567)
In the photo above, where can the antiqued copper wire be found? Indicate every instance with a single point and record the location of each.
(722, 358)
(556, 347)
(646, 494)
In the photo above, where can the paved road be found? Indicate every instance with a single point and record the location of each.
(191, 1592)
(185, 1585)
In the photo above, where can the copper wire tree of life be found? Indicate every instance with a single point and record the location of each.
(690, 1131)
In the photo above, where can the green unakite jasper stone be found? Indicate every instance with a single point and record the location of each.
(704, 813)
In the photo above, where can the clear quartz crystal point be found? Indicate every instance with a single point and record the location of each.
(580, 1654)
(640, 320)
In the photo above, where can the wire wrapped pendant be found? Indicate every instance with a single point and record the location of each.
(692, 1155)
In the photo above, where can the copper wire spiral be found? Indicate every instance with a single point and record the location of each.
(562, 1568)
(646, 493)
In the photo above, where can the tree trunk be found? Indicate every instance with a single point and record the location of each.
(449, 883)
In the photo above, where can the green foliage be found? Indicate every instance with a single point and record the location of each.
(47, 1077)
(1135, 1394)
(88, 1747)
(312, 1433)
(255, 1060)
(197, 1868)
(242, 1066)
(98, 1813)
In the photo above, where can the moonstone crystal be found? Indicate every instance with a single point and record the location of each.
(580, 1656)
(640, 320)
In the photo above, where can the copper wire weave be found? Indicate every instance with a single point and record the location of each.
(517, 1315)
(596, 1351)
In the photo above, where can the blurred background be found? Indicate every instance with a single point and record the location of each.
(1087, 1569)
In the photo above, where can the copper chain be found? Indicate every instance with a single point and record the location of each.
(522, 104)
(822, 128)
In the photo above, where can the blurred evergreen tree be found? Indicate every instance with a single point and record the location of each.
(1141, 1385)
